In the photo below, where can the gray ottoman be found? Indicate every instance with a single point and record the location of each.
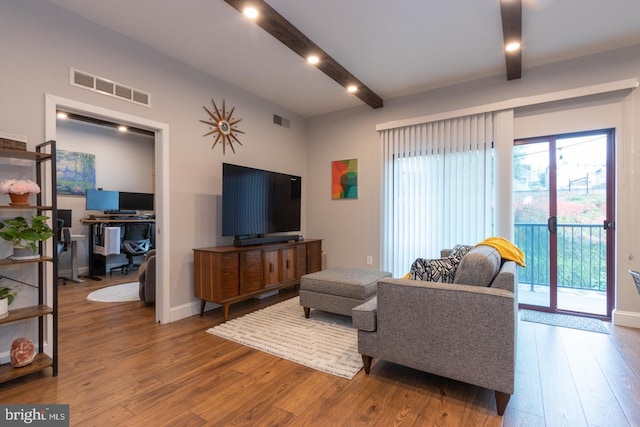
(338, 290)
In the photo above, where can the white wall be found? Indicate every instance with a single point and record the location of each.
(45, 41)
(124, 160)
(351, 229)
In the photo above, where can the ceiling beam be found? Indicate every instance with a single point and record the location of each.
(281, 29)
(511, 11)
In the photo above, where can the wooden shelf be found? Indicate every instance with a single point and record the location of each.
(41, 208)
(8, 372)
(26, 313)
(27, 155)
(5, 262)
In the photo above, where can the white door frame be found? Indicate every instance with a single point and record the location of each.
(163, 271)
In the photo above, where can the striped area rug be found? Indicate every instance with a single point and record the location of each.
(326, 342)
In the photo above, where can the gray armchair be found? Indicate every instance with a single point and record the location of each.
(147, 277)
(464, 330)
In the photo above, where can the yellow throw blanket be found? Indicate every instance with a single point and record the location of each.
(506, 249)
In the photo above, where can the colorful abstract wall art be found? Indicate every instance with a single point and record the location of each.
(75, 172)
(344, 179)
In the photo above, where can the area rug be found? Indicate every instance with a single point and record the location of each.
(563, 320)
(117, 293)
(325, 342)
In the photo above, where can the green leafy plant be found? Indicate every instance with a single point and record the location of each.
(26, 234)
(9, 293)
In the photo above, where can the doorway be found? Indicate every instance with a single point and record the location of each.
(563, 221)
(161, 130)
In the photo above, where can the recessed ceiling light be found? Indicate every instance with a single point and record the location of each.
(62, 115)
(122, 128)
(250, 12)
(312, 59)
(352, 88)
(512, 47)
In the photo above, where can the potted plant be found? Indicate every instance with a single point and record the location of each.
(7, 295)
(25, 235)
(19, 190)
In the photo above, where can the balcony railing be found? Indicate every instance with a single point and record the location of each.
(581, 255)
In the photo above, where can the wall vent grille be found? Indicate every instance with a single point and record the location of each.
(123, 92)
(104, 86)
(281, 121)
(108, 87)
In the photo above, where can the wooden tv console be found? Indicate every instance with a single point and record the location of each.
(228, 274)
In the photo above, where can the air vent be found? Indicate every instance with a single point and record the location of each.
(108, 87)
(281, 121)
(83, 79)
(141, 97)
(123, 92)
(104, 86)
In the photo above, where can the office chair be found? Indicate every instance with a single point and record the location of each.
(136, 241)
(64, 240)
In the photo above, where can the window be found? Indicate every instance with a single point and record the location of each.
(438, 188)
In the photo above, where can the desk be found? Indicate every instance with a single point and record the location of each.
(97, 262)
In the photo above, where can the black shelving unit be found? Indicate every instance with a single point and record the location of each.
(44, 159)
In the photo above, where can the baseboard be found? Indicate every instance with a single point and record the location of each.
(626, 318)
(189, 309)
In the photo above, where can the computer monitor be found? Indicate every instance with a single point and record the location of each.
(136, 201)
(101, 200)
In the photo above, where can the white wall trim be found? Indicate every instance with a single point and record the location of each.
(163, 273)
(515, 103)
(190, 309)
(626, 318)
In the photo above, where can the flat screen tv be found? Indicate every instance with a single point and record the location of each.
(102, 200)
(257, 202)
(135, 201)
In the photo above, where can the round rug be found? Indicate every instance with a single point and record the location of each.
(117, 293)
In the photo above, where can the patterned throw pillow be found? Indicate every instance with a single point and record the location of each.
(438, 270)
(459, 251)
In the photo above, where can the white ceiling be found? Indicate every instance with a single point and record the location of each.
(395, 47)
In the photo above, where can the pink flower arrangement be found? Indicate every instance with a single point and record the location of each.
(18, 186)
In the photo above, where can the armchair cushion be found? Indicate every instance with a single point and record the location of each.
(478, 267)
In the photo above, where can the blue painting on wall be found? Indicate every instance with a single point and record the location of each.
(75, 172)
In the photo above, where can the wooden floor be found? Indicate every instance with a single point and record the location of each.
(119, 368)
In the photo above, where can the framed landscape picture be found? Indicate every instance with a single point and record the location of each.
(75, 172)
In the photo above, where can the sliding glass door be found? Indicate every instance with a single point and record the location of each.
(563, 221)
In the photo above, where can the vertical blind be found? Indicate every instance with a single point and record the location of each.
(438, 188)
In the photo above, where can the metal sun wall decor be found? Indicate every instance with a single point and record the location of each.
(223, 126)
(344, 179)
